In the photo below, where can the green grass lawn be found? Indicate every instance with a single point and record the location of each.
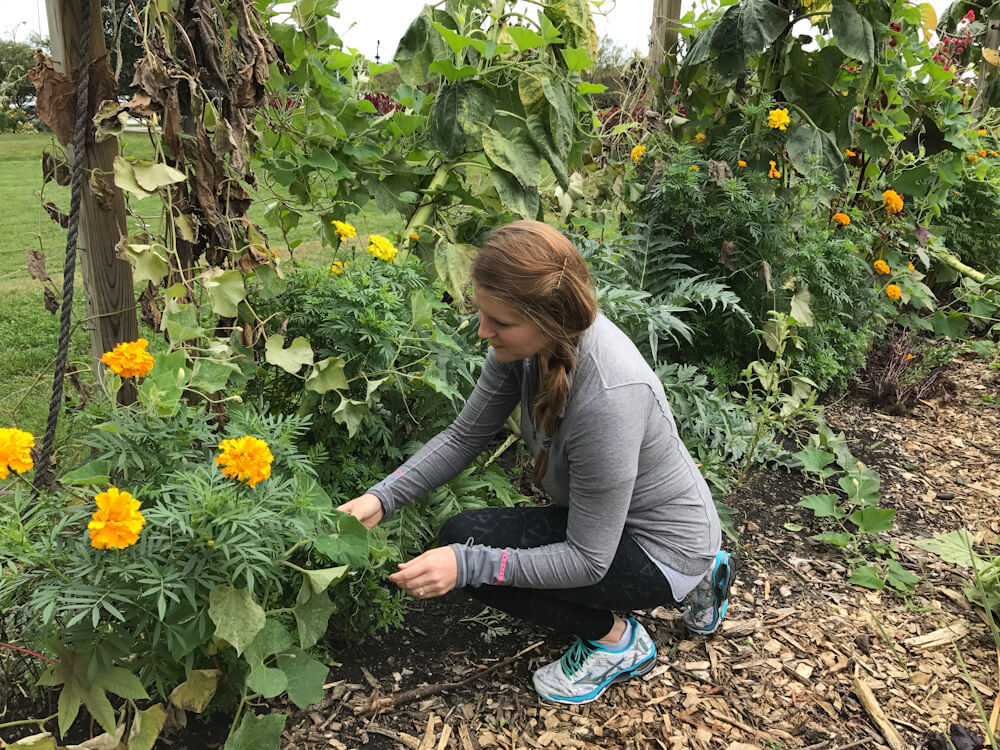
(29, 334)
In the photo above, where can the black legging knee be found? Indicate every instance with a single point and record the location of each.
(632, 582)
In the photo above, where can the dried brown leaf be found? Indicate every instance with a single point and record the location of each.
(35, 260)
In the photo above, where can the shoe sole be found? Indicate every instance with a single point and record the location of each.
(638, 670)
(732, 565)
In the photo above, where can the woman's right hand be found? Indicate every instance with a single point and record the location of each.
(367, 509)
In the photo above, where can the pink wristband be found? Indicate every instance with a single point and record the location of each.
(503, 566)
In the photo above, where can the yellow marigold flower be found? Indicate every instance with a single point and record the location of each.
(15, 451)
(842, 219)
(741, 163)
(637, 153)
(693, 168)
(130, 360)
(246, 459)
(117, 521)
(338, 268)
(778, 118)
(908, 358)
(849, 153)
(994, 153)
(345, 230)
(911, 267)
(882, 267)
(774, 173)
(380, 247)
(893, 291)
(981, 131)
(973, 158)
(700, 138)
(893, 201)
(414, 237)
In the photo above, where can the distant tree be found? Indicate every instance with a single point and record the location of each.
(15, 59)
(121, 34)
(614, 60)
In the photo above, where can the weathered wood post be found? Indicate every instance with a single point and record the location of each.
(107, 279)
(663, 34)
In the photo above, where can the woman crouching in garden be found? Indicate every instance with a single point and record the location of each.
(632, 526)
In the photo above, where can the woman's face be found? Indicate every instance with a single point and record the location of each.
(512, 335)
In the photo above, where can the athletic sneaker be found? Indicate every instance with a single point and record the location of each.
(588, 669)
(707, 604)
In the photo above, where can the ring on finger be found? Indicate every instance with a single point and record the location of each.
(420, 592)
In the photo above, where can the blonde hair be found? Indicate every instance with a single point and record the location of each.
(534, 269)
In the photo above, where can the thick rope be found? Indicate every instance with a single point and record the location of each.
(78, 173)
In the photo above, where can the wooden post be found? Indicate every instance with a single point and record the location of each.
(107, 279)
(663, 34)
(980, 106)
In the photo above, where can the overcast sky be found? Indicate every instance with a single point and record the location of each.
(378, 24)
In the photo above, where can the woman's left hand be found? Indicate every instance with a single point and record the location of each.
(433, 573)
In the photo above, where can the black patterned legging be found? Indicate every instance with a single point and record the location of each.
(632, 581)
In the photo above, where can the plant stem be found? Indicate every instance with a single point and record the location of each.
(21, 722)
(25, 651)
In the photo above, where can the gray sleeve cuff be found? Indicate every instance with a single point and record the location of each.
(479, 565)
(384, 495)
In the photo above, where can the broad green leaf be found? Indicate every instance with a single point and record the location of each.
(321, 579)
(348, 545)
(461, 111)
(543, 142)
(268, 681)
(954, 547)
(952, 324)
(327, 375)
(561, 120)
(95, 472)
(868, 577)
(211, 376)
(237, 617)
(810, 149)
(862, 487)
(180, 321)
(575, 22)
(151, 175)
(149, 262)
(419, 47)
(873, 520)
(271, 639)
(814, 460)
(125, 178)
(838, 539)
(420, 310)
(591, 88)
(195, 693)
(517, 199)
(822, 506)
(516, 154)
(761, 22)
(453, 39)
(257, 733)
(900, 578)
(312, 615)
(852, 31)
(525, 39)
(453, 264)
(225, 290)
(350, 413)
(800, 307)
(292, 359)
(146, 727)
(576, 59)
(121, 682)
(305, 677)
(529, 90)
(447, 68)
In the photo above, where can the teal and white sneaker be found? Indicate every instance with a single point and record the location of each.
(708, 603)
(588, 669)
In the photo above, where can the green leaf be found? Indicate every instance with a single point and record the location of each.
(350, 413)
(121, 682)
(225, 290)
(806, 143)
(180, 320)
(149, 262)
(852, 31)
(418, 48)
(268, 681)
(873, 520)
(312, 615)
(453, 39)
(516, 198)
(447, 68)
(591, 88)
(305, 677)
(952, 324)
(800, 307)
(900, 578)
(453, 264)
(321, 579)
(195, 693)
(43, 741)
(868, 577)
(814, 460)
(525, 39)
(237, 617)
(291, 359)
(95, 472)
(516, 154)
(272, 639)
(822, 506)
(560, 115)
(838, 539)
(761, 22)
(576, 59)
(540, 137)
(211, 376)
(954, 547)
(461, 111)
(146, 727)
(327, 375)
(257, 733)
(348, 545)
(861, 485)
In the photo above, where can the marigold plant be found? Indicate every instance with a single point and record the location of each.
(842, 219)
(117, 521)
(973, 158)
(893, 201)
(700, 138)
(882, 267)
(15, 451)
(130, 359)
(246, 459)
(344, 230)
(741, 163)
(414, 237)
(637, 152)
(380, 247)
(338, 268)
(778, 119)
(849, 153)
(893, 291)
(982, 153)
(775, 172)
(693, 168)
(911, 267)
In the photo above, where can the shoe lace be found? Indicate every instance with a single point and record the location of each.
(574, 659)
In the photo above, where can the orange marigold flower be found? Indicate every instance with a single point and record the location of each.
(637, 152)
(882, 267)
(911, 267)
(994, 153)
(893, 291)
(908, 358)
(893, 201)
(981, 131)
(15, 451)
(842, 219)
(117, 521)
(774, 173)
(700, 138)
(130, 359)
(246, 459)
(848, 152)
(982, 152)
(741, 163)
(414, 236)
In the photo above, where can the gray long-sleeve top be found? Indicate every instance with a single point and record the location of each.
(615, 460)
